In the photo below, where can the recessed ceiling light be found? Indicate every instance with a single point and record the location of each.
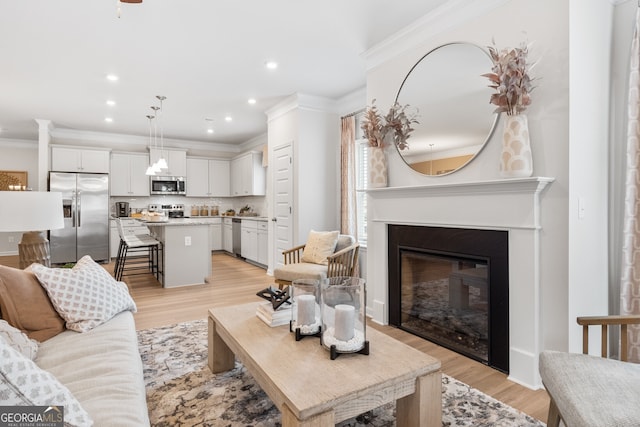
(209, 130)
(228, 119)
(108, 119)
(112, 77)
(272, 65)
(111, 102)
(251, 101)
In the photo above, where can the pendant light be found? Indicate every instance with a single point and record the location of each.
(155, 166)
(150, 170)
(162, 163)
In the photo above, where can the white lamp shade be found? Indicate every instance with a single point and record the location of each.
(30, 211)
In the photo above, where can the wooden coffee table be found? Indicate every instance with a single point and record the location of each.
(309, 388)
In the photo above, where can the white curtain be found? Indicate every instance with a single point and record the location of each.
(630, 274)
(348, 212)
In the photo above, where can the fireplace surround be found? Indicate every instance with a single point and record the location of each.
(451, 286)
(509, 205)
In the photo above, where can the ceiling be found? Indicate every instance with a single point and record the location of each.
(206, 56)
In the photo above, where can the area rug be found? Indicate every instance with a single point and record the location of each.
(182, 391)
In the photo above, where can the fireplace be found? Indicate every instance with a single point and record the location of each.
(451, 286)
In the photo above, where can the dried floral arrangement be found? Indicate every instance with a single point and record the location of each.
(398, 122)
(511, 79)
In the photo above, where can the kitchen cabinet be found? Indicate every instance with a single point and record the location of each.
(248, 177)
(128, 175)
(249, 240)
(263, 242)
(72, 159)
(208, 177)
(227, 235)
(215, 234)
(176, 160)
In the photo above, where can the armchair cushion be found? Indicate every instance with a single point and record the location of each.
(592, 391)
(320, 244)
(302, 270)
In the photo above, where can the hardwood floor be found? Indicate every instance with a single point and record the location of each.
(235, 282)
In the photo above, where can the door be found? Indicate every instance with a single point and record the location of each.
(283, 201)
(62, 242)
(93, 216)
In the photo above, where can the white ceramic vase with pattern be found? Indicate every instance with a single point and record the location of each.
(516, 160)
(377, 167)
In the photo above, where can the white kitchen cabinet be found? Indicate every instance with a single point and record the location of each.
(176, 160)
(248, 177)
(249, 240)
(227, 235)
(128, 175)
(215, 234)
(263, 242)
(208, 177)
(71, 159)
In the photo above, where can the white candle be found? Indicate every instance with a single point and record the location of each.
(345, 322)
(306, 309)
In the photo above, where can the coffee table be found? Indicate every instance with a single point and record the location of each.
(309, 388)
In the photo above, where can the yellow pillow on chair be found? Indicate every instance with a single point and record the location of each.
(320, 244)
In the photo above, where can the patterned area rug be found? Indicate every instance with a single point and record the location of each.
(182, 391)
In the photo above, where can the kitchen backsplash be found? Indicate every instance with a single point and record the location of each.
(257, 203)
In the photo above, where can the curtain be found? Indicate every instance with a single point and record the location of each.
(348, 214)
(630, 274)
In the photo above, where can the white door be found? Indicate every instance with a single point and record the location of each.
(283, 201)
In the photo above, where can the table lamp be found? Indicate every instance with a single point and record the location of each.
(32, 212)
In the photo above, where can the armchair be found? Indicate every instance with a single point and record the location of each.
(342, 262)
(589, 390)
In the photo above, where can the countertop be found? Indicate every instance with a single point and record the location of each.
(193, 221)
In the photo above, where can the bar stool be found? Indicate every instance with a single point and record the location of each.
(131, 258)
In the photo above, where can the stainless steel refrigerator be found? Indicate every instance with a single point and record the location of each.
(85, 205)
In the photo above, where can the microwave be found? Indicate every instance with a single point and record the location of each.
(168, 185)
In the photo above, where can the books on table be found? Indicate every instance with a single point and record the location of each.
(271, 317)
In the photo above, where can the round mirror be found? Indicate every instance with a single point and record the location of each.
(454, 114)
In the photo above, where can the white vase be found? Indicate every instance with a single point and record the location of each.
(516, 160)
(377, 167)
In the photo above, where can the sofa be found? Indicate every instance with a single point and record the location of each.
(74, 330)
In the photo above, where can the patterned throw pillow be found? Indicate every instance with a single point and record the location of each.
(86, 295)
(18, 340)
(320, 244)
(23, 383)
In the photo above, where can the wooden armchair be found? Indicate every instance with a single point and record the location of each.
(342, 262)
(593, 391)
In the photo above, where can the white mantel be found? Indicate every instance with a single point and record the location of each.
(506, 204)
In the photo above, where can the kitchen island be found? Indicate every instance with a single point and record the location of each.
(186, 254)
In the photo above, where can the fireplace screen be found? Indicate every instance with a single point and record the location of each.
(444, 299)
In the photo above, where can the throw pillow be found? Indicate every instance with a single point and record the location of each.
(18, 340)
(23, 383)
(26, 306)
(86, 295)
(320, 244)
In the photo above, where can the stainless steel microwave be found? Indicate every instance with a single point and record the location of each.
(168, 185)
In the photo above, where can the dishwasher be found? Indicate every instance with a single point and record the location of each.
(236, 232)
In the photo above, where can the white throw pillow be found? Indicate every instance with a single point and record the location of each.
(18, 340)
(86, 295)
(320, 244)
(23, 383)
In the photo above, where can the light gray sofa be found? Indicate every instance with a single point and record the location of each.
(102, 369)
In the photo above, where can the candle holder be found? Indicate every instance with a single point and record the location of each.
(343, 303)
(305, 308)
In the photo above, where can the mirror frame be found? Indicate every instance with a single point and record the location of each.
(496, 116)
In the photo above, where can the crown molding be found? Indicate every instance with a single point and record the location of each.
(18, 143)
(451, 14)
(301, 101)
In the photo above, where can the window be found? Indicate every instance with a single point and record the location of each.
(361, 181)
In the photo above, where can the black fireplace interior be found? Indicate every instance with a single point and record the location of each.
(451, 286)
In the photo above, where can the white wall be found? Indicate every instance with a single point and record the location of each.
(18, 156)
(590, 45)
